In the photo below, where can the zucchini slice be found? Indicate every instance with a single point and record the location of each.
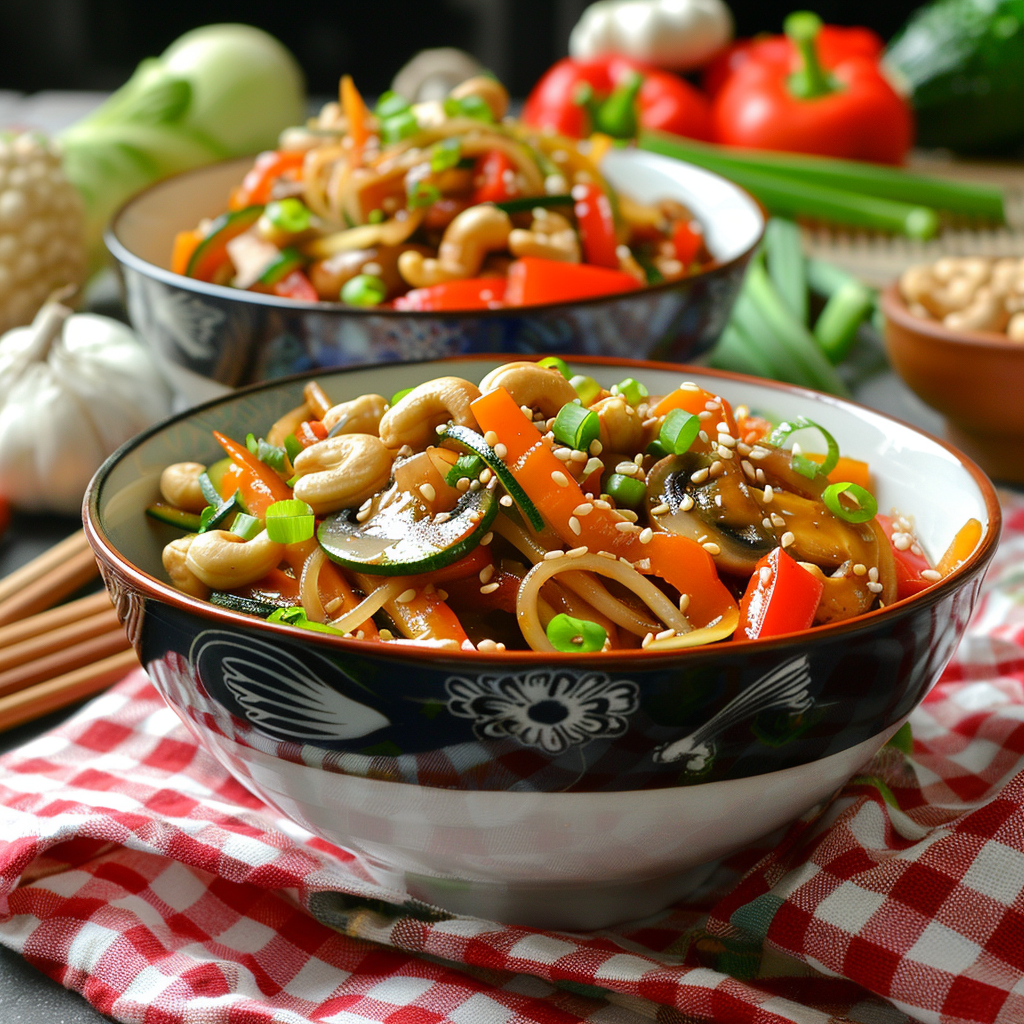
(248, 605)
(466, 440)
(212, 252)
(403, 539)
(165, 513)
(281, 267)
(223, 511)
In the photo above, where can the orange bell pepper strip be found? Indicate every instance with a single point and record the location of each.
(259, 484)
(966, 540)
(696, 400)
(678, 560)
(356, 115)
(185, 243)
(425, 617)
(259, 181)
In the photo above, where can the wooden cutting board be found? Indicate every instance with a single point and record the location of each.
(877, 258)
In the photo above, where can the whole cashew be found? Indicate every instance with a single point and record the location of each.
(550, 237)
(179, 485)
(174, 559)
(223, 560)
(468, 239)
(622, 428)
(490, 90)
(985, 313)
(359, 416)
(414, 419)
(539, 387)
(341, 472)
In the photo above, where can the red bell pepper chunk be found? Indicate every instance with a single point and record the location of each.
(494, 178)
(475, 293)
(781, 597)
(259, 181)
(596, 224)
(295, 286)
(909, 565)
(533, 281)
(687, 241)
(309, 432)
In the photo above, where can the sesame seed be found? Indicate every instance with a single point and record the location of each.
(560, 478)
(624, 526)
(711, 548)
(727, 439)
(700, 476)
(593, 466)
(386, 634)
(475, 485)
(797, 450)
(628, 513)
(583, 509)
(638, 459)
(748, 469)
(767, 523)
(688, 385)
(505, 501)
(595, 447)
(578, 456)
(665, 634)
(490, 438)
(787, 539)
(627, 468)
(487, 538)
(873, 574)
(406, 596)
(646, 534)
(765, 575)
(917, 549)
(562, 454)
(359, 634)
(660, 510)
(556, 553)
(362, 516)
(647, 641)
(574, 525)
(526, 411)
(366, 504)
(489, 588)
(718, 500)
(860, 569)
(405, 451)
(485, 476)
(625, 561)
(602, 504)
(463, 484)
(777, 520)
(440, 428)
(769, 494)
(442, 517)
(486, 573)
(712, 406)
(649, 422)
(703, 435)
(875, 588)
(577, 552)
(901, 541)
(743, 449)
(931, 574)
(705, 415)
(725, 453)
(759, 453)
(687, 503)
(760, 477)
(684, 602)
(487, 645)
(608, 554)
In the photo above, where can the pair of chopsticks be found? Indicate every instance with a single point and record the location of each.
(53, 655)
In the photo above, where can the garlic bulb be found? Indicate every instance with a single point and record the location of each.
(73, 387)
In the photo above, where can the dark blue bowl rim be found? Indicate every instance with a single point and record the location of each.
(127, 258)
(154, 588)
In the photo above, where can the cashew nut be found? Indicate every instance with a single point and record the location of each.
(341, 472)
(179, 485)
(985, 313)
(550, 237)
(359, 416)
(468, 239)
(539, 387)
(1015, 328)
(490, 90)
(622, 428)
(223, 560)
(173, 557)
(414, 419)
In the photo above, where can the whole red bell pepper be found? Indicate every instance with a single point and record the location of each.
(849, 111)
(836, 43)
(616, 96)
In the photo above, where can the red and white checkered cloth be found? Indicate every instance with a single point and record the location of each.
(134, 870)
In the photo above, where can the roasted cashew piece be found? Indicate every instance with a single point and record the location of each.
(359, 416)
(468, 239)
(622, 428)
(179, 485)
(341, 472)
(174, 559)
(414, 419)
(489, 89)
(985, 313)
(539, 387)
(550, 237)
(223, 560)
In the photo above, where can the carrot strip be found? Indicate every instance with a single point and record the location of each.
(964, 543)
(695, 400)
(846, 470)
(185, 243)
(259, 484)
(357, 116)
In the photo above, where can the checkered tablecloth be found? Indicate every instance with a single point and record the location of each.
(135, 871)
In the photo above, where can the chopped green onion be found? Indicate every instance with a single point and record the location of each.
(246, 526)
(391, 103)
(866, 509)
(467, 467)
(210, 492)
(576, 426)
(269, 454)
(297, 617)
(292, 447)
(554, 363)
(678, 431)
(631, 390)
(422, 193)
(657, 449)
(469, 106)
(290, 521)
(375, 217)
(445, 154)
(627, 491)
(400, 126)
(568, 634)
(804, 466)
(205, 516)
(364, 290)
(399, 395)
(586, 387)
(290, 215)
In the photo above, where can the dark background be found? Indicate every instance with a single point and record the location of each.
(95, 44)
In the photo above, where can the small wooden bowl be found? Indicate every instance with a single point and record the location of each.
(974, 378)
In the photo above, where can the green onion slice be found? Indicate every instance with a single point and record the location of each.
(867, 506)
(626, 490)
(804, 466)
(364, 290)
(292, 447)
(399, 395)
(205, 516)
(554, 363)
(397, 127)
(269, 454)
(467, 467)
(423, 193)
(246, 526)
(445, 154)
(576, 426)
(375, 217)
(391, 103)
(678, 431)
(298, 617)
(631, 390)
(586, 387)
(568, 634)
(469, 106)
(290, 215)
(290, 521)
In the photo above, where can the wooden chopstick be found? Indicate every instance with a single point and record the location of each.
(62, 637)
(36, 701)
(60, 662)
(54, 619)
(49, 559)
(49, 581)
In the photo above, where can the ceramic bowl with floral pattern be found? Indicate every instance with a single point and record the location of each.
(554, 790)
(209, 337)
